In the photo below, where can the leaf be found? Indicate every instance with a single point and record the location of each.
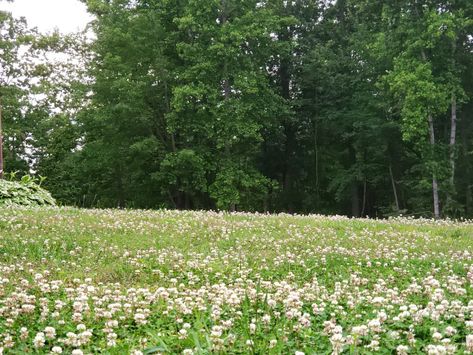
(154, 350)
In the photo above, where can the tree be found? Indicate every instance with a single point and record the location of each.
(427, 80)
(169, 88)
(353, 107)
(14, 91)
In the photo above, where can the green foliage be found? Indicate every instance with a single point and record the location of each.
(26, 192)
(236, 186)
(182, 172)
(299, 106)
(413, 83)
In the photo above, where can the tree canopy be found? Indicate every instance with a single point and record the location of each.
(353, 107)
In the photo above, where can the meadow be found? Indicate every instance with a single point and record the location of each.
(147, 282)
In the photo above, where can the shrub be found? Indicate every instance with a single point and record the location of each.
(25, 192)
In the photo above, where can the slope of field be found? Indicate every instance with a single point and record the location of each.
(132, 282)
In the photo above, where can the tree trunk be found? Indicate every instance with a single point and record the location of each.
(364, 200)
(168, 109)
(1, 142)
(355, 200)
(289, 131)
(393, 183)
(171, 198)
(316, 153)
(466, 127)
(469, 201)
(435, 189)
(226, 90)
(186, 201)
(453, 133)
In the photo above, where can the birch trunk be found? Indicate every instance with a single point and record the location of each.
(1, 141)
(453, 137)
(435, 188)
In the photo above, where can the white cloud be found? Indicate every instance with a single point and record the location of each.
(47, 15)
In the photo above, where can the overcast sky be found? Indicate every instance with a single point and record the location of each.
(47, 15)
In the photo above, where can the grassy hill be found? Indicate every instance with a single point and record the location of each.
(126, 282)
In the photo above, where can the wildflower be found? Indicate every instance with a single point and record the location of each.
(469, 342)
(8, 341)
(50, 332)
(436, 349)
(23, 333)
(437, 336)
(402, 349)
(252, 328)
(39, 340)
(182, 333)
(140, 318)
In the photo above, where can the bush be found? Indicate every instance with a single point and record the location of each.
(25, 192)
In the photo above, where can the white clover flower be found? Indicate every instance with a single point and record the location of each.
(216, 331)
(182, 333)
(252, 328)
(469, 342)
(378, 300)
(374, 345)
(140, 318)
(374, 325)
(39, 340)
(50, 332)
(8, 341)
(436, 349)
(361, 330)
(402, 349)
(23, 333)
(437, 336)
(450, 331)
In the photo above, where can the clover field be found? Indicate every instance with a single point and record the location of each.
(146, 282)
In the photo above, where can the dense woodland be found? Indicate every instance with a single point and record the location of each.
(355, 107)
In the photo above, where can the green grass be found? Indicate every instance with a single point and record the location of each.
(205, 282)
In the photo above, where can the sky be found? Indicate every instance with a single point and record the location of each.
(65, 15)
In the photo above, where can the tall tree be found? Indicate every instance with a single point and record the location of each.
(427, 80)
(181, 84)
